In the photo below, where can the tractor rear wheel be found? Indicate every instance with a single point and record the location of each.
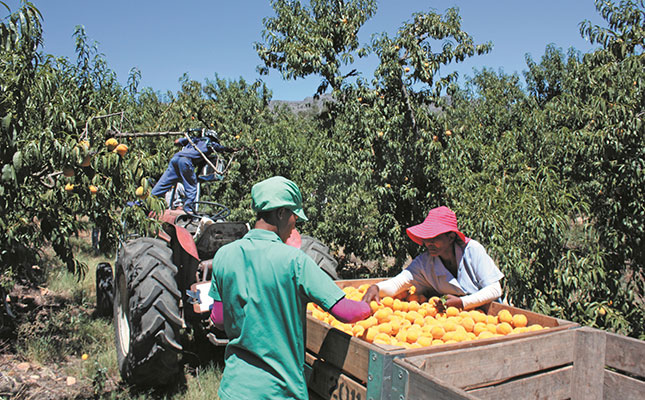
(147, 319)
(315, 249)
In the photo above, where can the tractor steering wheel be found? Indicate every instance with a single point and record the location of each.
(218, 211)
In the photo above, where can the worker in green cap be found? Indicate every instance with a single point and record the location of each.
(261, 287)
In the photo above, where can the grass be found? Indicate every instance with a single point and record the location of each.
(65, 328)
(203, 384)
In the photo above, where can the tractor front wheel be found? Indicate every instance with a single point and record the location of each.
(147, 319)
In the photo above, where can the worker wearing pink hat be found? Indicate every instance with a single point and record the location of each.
(453, 265)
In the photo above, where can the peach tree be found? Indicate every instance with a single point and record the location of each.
(383, 132)
(56, 170)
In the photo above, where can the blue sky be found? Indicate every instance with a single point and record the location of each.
(165, 39)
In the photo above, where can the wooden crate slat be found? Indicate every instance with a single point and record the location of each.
(625, 354)
(480, 342)
(555, 384)
(588, 364)
(617, 386)
(532, 317)
(421, 385)
(343, 283)
(338, 349)
(562, 364)
(329, 382)
(499, 361)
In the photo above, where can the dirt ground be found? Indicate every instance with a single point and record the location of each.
(24, 380)
(20, 379)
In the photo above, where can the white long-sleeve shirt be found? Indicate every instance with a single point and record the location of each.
(477, 280)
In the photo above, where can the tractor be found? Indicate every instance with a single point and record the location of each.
(160, 291)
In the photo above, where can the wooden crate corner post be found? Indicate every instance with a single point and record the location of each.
(379, 374)
(588, 364)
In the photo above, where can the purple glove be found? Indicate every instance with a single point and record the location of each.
(217, 315)
(350, 311)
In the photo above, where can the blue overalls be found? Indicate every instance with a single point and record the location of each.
(182, 168)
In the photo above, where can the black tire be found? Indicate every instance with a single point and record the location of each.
(104, 289)
(315, 249)
(147, 319)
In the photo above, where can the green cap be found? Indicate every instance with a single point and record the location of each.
(277, 192)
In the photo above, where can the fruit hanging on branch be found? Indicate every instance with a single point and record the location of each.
(141, 193)
(86, 161)
(68, 172)
(121, 149)
(111, 144)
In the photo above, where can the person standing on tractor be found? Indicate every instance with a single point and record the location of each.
(261, 287)
(182, 166)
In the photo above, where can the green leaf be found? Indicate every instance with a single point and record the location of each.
(17, 160)
(8, 174)
(6, 121)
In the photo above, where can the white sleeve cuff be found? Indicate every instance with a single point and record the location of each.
(483, 296)
(393, 286)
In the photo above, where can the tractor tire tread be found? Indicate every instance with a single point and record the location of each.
(319, 252)
(154, 314)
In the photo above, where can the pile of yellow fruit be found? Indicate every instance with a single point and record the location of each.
(414, 321)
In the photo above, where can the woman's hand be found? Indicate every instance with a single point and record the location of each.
(372, 293)
(453, 301)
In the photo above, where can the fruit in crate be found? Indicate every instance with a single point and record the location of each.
(412, 321)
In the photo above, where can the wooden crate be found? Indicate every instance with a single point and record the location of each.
(582, 363)
(345, 367)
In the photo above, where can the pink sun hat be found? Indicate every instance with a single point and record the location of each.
(439, 220)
